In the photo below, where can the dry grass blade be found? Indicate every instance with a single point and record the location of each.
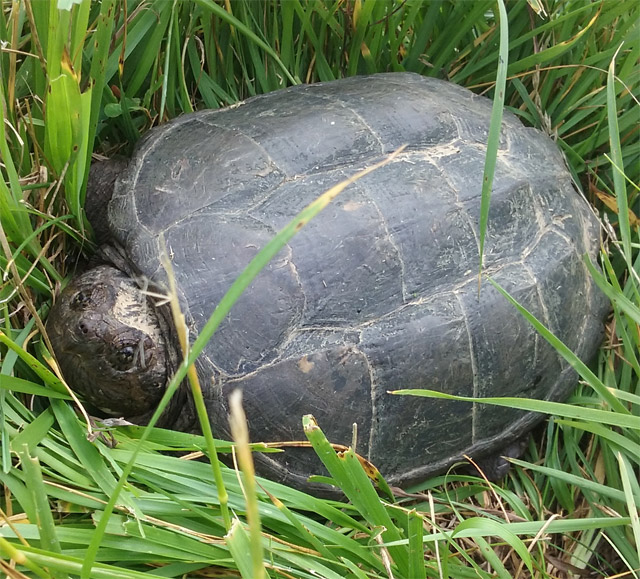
(240, 432)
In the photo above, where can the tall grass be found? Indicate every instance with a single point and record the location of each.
(78, 78)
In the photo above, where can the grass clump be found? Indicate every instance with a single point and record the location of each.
(80, 77)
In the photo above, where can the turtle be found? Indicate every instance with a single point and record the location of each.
(378, 292)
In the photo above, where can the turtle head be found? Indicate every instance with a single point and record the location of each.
(108, 340)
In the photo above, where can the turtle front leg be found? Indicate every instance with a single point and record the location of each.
(102, 179)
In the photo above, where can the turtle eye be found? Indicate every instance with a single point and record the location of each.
(124, 357)
(81, 300)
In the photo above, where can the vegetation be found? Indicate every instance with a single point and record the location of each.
(78, 78)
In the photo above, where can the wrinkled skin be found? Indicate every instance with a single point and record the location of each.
(111, 347)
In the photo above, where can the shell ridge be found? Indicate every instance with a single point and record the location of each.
(296, 320)
(585, 209)
(290, 263)
(315, 93)
(262, 200)
(431, 299)
(296, 276)
(207, 211)
(590, 288)
(372, 390)
(288, 177)
(543, 306)
(546, 320)
(546, 230)
(208, 123)
(389, 237)
(357, 115)
(474, 365)
(457, 202)
(130, 179)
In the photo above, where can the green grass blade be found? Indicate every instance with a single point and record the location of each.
(34, 432)
(167, 57)
(13, 218)
(13, 554)
(240, 432)
(28, 387)
(565, 352)
(102, 40)
(86, 452)
(225, 16)
(631, 489)
(491, 557)
(51, 380)
(346, 470)
(549, 54)
(303, 532)
(532, 528)
(616, 296)
(417, 567)
(493, 141)
(240, 546)
(71, 565)
(573, 480)
(618, 172)
(46, 526)
(620, 419)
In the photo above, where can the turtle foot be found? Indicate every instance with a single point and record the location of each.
(495, 466)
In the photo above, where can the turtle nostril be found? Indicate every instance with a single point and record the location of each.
(84, 329)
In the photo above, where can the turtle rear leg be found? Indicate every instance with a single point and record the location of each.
(495, 466)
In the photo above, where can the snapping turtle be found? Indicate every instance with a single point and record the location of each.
(378, 292)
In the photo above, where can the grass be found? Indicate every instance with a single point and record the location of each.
(105, 72)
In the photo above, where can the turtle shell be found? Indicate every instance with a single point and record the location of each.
(380, 290)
